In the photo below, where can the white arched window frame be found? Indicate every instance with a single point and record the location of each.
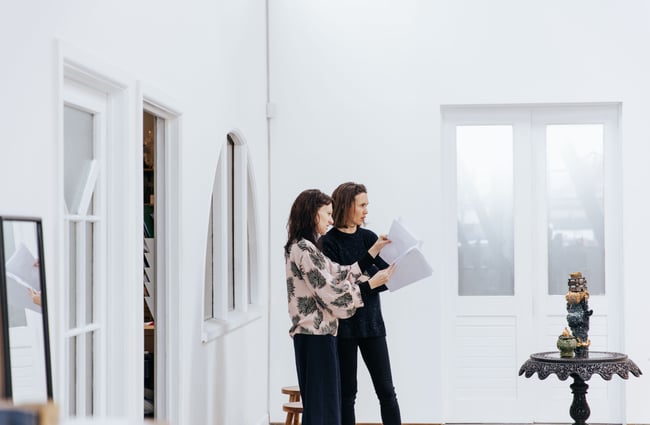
(231, 296)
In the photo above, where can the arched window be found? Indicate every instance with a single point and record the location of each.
(231, 252)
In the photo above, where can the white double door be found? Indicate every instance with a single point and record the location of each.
(504, 281)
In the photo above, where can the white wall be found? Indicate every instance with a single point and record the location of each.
(358, 87)
(209, 58)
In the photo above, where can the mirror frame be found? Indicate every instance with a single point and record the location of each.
(5, 355)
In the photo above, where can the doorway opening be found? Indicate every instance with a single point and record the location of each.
(149, 258)
(153, 189)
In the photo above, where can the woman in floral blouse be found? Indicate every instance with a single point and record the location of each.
(319, 293)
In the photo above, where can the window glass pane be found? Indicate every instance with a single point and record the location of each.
(89, 278)
(485, 210)
(78, 152)
(231, 224)
(575, 172)
(72, 273)
(88, 373)
(72, 375)
(208, 290)
(91, 206)
(249, 265)
(250, 237)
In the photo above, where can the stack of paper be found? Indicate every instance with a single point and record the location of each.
(404, 251)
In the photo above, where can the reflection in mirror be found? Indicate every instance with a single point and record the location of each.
(24, 311)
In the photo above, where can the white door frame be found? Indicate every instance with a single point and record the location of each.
(168, 264)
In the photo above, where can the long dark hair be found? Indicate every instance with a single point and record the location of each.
(343, 198)
(302, 217)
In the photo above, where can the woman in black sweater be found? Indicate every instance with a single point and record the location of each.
(365, 331)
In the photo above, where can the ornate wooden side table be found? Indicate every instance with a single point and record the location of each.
(603, 363)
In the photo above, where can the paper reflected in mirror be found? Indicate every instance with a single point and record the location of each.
(23, 281)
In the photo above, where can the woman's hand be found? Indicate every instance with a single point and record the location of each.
(381, 277)
(381, 242)
(36, 296)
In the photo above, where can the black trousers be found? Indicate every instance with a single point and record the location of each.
(375, 355)
(317, 365)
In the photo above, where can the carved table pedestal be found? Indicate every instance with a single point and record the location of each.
(605, 364)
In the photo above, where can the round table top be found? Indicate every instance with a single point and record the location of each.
(603, 363)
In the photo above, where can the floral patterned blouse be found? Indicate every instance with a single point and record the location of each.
(319, 290)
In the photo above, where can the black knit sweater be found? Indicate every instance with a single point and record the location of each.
(346, 248)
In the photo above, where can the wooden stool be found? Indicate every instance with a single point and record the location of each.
(294, 406)
(293, 409)
(293, 391)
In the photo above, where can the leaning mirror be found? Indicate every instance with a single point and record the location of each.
(26, 347)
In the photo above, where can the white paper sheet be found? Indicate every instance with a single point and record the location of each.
(23, 266)
(401, 241)
(404, 251)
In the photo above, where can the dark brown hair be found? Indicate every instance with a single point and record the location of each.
(343, 198)
(302, 217)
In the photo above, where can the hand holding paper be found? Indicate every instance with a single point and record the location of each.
(23, 280)
(382, 276)
(381, 242)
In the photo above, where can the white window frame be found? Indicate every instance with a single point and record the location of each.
(244, 251)
(86, 330)
(117, 389)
